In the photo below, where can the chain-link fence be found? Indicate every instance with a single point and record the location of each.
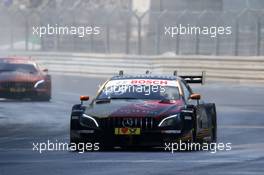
(125, 31)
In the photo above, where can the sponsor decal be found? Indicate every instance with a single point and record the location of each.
(142, 82)
(146, 86)
(17, 90)
(149, 82)
(127, 131)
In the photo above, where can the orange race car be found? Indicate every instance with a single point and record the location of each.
(22, 78)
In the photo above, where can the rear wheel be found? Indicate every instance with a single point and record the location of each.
(211, 112)
(214, 125)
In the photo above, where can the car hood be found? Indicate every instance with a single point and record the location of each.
(19, 77)
(134, 108)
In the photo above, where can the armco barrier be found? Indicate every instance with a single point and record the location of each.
(235, 69)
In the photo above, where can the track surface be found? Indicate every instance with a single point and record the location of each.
(240, 121)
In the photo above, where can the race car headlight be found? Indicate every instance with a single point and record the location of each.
(169, 121)
(39, 84)
(88, 121)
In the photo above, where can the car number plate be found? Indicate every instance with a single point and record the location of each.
(17, 89)
(127, 131)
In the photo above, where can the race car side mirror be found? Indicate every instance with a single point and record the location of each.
(84, 98)
(195, 96)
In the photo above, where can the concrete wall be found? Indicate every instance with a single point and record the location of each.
(220, 69)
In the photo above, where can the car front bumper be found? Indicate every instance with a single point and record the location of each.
(153, 138)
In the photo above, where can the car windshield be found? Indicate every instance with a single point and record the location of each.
(126, 90)
(25, 68)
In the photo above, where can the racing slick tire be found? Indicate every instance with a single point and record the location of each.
(212, 119)
(214, 124)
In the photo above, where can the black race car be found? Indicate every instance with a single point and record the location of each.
(144, 110)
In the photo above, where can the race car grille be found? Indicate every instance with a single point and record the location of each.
(136, 122)
(26, 85)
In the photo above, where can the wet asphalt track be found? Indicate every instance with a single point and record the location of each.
(240, 121)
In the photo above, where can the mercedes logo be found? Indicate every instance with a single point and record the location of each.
(128, 122)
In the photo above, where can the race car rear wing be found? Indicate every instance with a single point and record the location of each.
(194, 79)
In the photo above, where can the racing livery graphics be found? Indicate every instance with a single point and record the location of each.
(144, 110)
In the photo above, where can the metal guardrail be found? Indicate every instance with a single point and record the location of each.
(218, 68)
